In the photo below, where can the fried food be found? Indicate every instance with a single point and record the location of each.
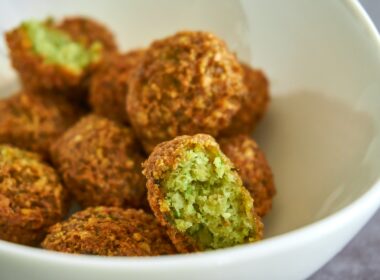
(196, 193)
(185, 84)
(253, 169)
(100, 163)
(109, 231)
(88, 31)
(31, 196)
(58, 57)
(32, 122)
(254, 104)
(109, 85)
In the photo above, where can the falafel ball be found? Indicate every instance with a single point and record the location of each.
(196, 193)
(31, 196)
(187, 83)
(109, 231)
(50, 59)
(100, 163)
(253, 169)
(109, 85)
(254, 104)
(31, 121)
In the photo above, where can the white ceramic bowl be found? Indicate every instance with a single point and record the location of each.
(321, 135)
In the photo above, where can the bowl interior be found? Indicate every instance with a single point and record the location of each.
(322, 132)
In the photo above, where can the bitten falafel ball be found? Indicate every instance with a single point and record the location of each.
(100, 163)
(254, 104)
(253, 169)
(109, 85)
(196, 193)
(31, 196)
(187, 83)
(31, 121)
(49, 59)
(109, 231)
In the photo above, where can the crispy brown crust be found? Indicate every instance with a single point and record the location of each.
(253, 168)
(100, 163)
(88, 31)
(162, 160)
(109, 85)
(185, 84)
(31, 196)
(32, 122)
(40, 77)
(110, 231)
(254, 105)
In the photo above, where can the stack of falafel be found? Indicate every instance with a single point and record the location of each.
(153, 144)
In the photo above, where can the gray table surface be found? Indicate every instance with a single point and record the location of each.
(360, 259)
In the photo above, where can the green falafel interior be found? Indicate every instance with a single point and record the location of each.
(57, 47)
(208, 201)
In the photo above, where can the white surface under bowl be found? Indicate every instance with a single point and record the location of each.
(321, 135)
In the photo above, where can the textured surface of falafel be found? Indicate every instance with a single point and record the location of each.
(32, 121)
(185, 84)
(110, 231)
(100, 163)
(196, 193)
(48, 59)
(88, 31)
(254, 104)
(31, 196)
(109, 85)
(253, 169)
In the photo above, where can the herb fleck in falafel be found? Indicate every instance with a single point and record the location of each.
(185, 84)
(253, 168)
(31, 196)
(195, 191)
(254, 105)
(100, 163)
(32, 122)
(109, 231)
(109, 85)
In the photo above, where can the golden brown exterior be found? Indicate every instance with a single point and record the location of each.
(185, 84)
(38, 76)
(253, 169)
(109, 231)
(32, 122)
(100, 163)
(109, 85)
(31, 196)
(254, 105)
(88, 31)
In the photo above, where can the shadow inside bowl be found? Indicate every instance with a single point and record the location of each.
(316, 146)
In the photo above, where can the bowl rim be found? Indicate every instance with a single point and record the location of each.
(282, 242)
